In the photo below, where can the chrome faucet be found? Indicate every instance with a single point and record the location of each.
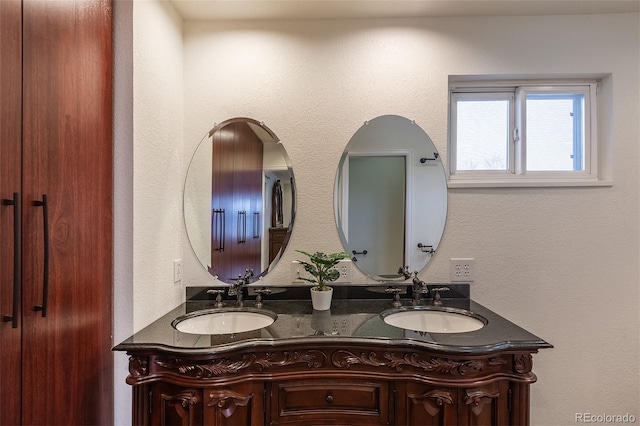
(404, 271)
(236, 288)
(419, 288)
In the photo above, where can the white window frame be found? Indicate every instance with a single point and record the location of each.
(517, 175)
(481, 96)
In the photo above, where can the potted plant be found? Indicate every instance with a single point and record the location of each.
(321, 266)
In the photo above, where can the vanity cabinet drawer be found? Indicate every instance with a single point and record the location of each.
(329, 401)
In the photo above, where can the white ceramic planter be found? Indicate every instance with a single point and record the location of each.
(321, 300)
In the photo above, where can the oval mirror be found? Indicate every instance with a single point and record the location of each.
(390, 198)
(239, 199)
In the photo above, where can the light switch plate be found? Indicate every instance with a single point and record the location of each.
(177, 270)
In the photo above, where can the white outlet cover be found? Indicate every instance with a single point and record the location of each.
(344, 266)
(462, 269)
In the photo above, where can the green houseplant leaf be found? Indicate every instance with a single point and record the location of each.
(321, 267)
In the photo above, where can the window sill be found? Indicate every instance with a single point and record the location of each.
(525, 183)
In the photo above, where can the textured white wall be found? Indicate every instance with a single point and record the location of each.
(158, 158)
(123, 203)
(561, 262)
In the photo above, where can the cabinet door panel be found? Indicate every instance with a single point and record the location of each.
(486, 405)
(239, 405)
(247, 194)
(10, 175)
(173, 405)
(222, 203)
(67, 150)
(419, 404)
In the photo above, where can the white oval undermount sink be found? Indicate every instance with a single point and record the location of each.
(434, 320)
(224, 321)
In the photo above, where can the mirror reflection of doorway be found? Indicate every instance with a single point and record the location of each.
(424, 207)
(376, 213)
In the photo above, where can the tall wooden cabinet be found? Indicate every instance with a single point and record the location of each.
(56, 188)
(236, 200)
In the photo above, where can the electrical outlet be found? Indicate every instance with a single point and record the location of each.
(344, 267)
(297, 271)
(462, 269)
(177, 270)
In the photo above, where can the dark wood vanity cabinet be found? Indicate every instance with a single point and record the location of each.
(337, 383)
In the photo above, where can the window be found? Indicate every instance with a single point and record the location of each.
(523, 133)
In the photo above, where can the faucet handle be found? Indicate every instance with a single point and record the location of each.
(396, 295)
(218, 293)
(259, 293)
(437, 300)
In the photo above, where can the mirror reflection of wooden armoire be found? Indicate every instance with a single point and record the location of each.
(236, 200)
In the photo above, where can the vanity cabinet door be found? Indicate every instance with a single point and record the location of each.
(241, 405)
(175, 405)
(485, 405)
(327, 402)
(10, 189)
(419, 404)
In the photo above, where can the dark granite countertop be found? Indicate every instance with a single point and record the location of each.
(350, 320)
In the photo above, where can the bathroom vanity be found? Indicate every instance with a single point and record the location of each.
(343, 366)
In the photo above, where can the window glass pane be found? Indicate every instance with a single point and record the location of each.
(482, 135)
(555, 132)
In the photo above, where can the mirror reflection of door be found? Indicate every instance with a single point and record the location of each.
(376, 213)
(236, 200)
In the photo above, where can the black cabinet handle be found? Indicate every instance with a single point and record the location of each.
(17, 258)
(45, 274)
(256, 225)
(329, 398)
(242, 227)
(221, 228)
